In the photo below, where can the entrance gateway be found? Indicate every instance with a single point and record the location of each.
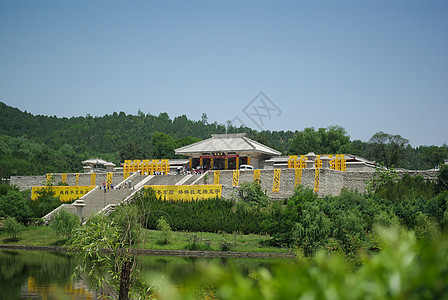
(227, 152)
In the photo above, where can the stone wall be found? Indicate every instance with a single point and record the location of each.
(331, 182)
(26, 182)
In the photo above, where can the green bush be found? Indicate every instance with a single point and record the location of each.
(253, 194)
(165, 228)
(64, 223)
(12, 227)
(405, 269)
(211, 215)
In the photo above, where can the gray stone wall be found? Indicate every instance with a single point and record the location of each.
(331, 182)
(26, 182)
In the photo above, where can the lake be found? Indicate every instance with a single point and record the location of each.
(47, 275)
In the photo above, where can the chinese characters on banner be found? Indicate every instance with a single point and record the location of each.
(109, 179)
(316, 181)
(257, 175)
(276, 182)
(216, 176)
(236, 178)
(298, 177)
(65, 193)
(187, 192)
(93, 179)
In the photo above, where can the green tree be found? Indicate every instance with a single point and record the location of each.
(253, 194)
(434, 155)
(165, 228)
(312, 229)
(442, 178)
(14, 204)
(12, 227)
(163, 146)
(388, 148)
(64, 223)
(104, 245)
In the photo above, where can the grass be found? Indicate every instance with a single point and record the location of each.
(45, 236)
(181, 240)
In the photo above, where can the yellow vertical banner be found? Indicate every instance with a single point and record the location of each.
(237, 161)
(211, 163)
(316, 180)
(77, 179)
(257, 175)
(216, 176)
(110, 176)
(291, 162)
(276, 181)
(343, 163)
(226, 163)
(190, 163)
(298, 177)
(248, 160)
(49, 177)
(93, 179)
(236, 178)
(64, 178)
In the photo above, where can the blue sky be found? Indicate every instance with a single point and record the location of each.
(368, 66)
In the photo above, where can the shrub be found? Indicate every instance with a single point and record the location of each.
(312, 230)
(165, 228)
(349, 231)
(12, 227)
(253, 194)
(64, 223)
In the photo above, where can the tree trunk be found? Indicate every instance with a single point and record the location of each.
(125, 280)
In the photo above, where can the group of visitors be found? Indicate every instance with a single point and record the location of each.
(106, 187)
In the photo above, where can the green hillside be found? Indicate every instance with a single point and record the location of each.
(36, 144)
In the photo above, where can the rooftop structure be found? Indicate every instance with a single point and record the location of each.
(227, 151)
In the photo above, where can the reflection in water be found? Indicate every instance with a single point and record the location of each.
(47, 275)
(39, 275)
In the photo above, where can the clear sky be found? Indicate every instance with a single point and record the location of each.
(368, 66)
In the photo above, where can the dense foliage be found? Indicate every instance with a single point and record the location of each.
(17, 204)
(212, 215)
(32, 145)
(405, 269)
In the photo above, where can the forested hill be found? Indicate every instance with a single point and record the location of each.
(36, 144)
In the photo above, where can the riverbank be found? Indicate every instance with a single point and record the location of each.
(183, 253)
(190, 244)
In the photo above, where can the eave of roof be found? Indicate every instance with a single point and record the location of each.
(227, 143)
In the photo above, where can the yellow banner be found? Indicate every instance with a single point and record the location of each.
(77, 179)
(257, 175)
(64, 178)
(216, 176)
(93, 179)
(276, 181)
(298, 177)
(236, 177)
(316, 181)
(65, 193)
(109, 179)
(187, 192)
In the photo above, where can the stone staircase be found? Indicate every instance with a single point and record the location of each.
(99, 201)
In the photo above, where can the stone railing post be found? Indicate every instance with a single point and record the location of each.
(310, 158)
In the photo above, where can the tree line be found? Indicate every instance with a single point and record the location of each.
(36, 144)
